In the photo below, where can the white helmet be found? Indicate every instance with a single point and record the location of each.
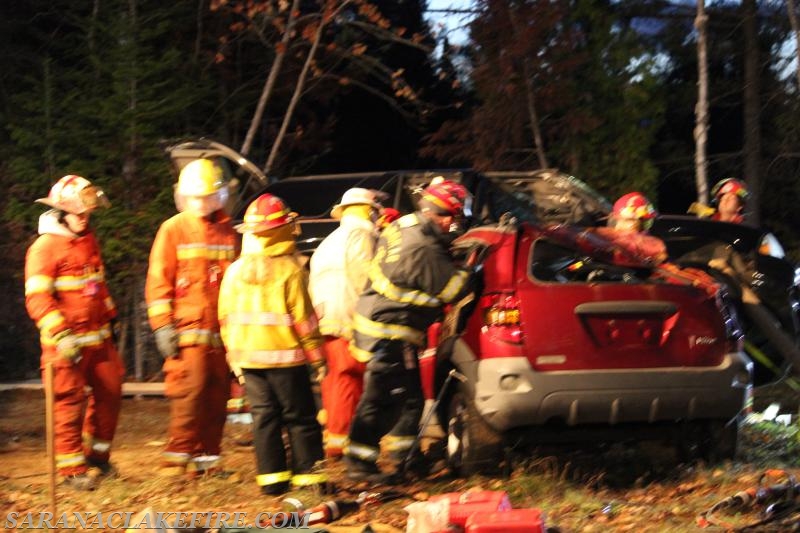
(76, 195)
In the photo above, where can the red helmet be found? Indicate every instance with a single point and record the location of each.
(448, 196)
(388, 215)
(729, 185)
(634, 205)
(76, 195)
(264, 213)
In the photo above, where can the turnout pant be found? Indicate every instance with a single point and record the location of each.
(196, 383)
(281, 398)
(85, 422)
(341, 390)
(392, 400)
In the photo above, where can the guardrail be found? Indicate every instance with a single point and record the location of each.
(128, 388)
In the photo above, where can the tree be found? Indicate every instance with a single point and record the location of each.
(752, 105)
(701, 107)
(561, 83)
(110, 82)
(341, 46)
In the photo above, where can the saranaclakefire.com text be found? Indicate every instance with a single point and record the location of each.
(153, 520)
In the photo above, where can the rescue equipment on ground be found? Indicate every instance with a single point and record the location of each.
(780, 497)
(332, 510)
(473, 511)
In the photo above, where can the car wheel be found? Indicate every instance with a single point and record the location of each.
(472, 446)
(710, 440)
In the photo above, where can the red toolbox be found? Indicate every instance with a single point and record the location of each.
(464, 504)
(510, 521)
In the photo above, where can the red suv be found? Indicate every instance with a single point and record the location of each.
(563, 346)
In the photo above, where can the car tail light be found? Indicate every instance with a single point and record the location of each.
(501, 316)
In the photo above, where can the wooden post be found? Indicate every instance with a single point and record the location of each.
(49, 395)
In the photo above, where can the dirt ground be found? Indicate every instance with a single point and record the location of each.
(610, 488)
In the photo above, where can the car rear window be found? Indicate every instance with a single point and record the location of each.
(556, 263)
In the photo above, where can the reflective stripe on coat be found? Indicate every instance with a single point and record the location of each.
(265, 311)
(412, 276)
(188, 259)
(65, 285)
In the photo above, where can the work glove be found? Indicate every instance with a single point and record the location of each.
(317, 371)
(167, 341)
(67, 346)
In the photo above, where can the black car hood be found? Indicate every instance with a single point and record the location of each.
(684, 234)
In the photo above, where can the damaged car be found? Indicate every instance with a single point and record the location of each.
(567, 343)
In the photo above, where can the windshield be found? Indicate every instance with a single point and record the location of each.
(555, 197)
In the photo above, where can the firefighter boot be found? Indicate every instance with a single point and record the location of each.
(102, 469)
(359, 470)
(275, 489)
(80, 482)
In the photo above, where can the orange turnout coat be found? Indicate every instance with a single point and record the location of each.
(65, 289)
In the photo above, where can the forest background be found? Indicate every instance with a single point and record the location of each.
(603, 90)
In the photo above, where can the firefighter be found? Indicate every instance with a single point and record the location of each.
(631, 218)
(338, 275)
(412, 276)
(729, 198)
(273, 341)
(67, 297)
(190, 254)
(728, 201)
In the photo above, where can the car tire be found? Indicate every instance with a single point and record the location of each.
(472, 446)
(710, 440)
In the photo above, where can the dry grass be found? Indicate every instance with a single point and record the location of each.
(612, 488)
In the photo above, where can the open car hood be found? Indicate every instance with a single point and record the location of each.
(244, 177)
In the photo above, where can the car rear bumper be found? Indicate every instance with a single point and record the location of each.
(509, 393)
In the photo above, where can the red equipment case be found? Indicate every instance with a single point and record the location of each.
(511, 521)
(464, 504)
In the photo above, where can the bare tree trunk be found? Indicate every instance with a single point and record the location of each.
(533, 117)
(796, 30)
(130, 164)
(701, 107)
(280, 54)
(752, 132)
(139, 330)
(530, 100)
(298, 90)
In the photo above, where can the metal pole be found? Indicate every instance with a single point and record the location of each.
(415, 445)
(49, 395)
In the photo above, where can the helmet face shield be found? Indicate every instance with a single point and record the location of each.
(632, 212)
(92, 198)
(730, 186)
(201, 206)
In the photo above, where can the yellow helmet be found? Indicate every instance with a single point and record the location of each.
(201, 188)
(201, 177)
